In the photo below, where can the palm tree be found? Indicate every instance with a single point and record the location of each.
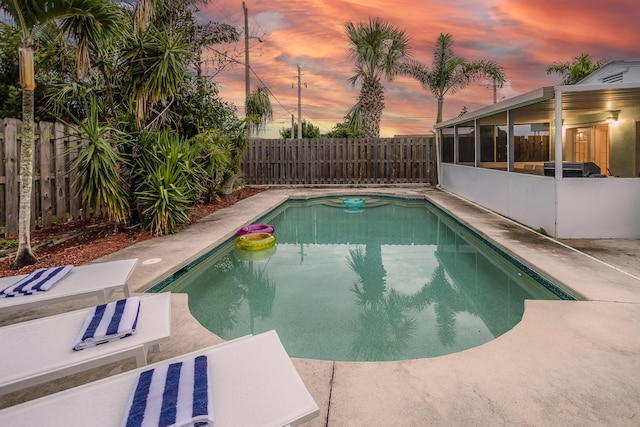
(258, 113)
(576, 70)
(376, 50)
(449, 73)
(258, 109)
(80, 19)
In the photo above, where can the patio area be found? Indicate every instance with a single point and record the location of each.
(565, 363)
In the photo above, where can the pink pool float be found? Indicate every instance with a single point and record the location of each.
(255, 228)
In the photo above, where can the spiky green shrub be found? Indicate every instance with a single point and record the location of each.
(99, 166)
(168, 180)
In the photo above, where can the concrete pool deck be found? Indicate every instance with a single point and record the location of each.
(565, 363)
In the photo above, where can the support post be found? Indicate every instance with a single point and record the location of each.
(299, 106)
(558, 132)
(246, 55)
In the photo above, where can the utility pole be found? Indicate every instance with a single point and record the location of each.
(299, 106)
(292, 124)
(246, 54)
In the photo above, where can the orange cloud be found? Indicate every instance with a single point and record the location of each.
(524, 37)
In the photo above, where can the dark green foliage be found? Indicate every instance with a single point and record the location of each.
(201, 108)
(8, 244)
(214, 150)
(576, 70)
(168, 180)
(345, 130)
(308, 131)
(53, 65)
(258, 109)
(99, 166)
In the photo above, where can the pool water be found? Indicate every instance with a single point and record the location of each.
(395, 280)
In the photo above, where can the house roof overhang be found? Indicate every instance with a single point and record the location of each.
(537, 106)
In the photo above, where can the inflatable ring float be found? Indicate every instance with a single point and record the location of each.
(255, 241)
(353, 203)
(255, 228)
(254, 255)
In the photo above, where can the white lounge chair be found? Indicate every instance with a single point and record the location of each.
(253, 383)
(41, 350)
(98, 280)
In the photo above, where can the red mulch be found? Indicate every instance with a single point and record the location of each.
(81, 241)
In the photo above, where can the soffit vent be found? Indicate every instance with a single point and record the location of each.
(614, 78)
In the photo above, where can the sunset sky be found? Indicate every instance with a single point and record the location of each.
(523, 36)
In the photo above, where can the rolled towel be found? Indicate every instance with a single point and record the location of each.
(172, 395)
(37, 281)
(109, 322)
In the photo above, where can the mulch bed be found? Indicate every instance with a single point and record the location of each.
(81, 241)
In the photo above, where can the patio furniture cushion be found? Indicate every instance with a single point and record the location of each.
(98, 280)
(253, 383)
(41, 350)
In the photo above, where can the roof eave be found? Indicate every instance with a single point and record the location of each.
(537, 95)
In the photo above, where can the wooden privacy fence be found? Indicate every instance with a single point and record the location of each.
(52, 198)
(267, 162)
(340, 161)
(534, 148)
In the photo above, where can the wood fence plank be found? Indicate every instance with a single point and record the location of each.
(47, 174)
(62, 210)
(340, 161)
(3, 206)
(11, 171)
(75, 208)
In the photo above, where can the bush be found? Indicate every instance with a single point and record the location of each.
(168, 181)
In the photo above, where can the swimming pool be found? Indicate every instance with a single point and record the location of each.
(397, 279)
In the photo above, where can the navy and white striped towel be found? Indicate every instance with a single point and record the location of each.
(109, 322)
(172, 395)
(38, 281)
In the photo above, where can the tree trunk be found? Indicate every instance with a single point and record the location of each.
(25, 255)
(227, 186)
(371, 101)
(440, 102)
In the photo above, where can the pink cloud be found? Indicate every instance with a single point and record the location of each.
(524, 37)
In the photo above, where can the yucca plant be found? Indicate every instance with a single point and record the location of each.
(99, 166)
(168, 180)
(154, 68)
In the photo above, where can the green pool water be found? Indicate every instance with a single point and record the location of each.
(397, 279)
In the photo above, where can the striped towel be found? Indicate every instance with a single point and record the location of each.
(37, 281)
(176, 394)
(109, 322)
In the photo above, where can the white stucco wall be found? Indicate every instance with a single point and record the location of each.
(528, 199)
(599, 208)
(588, 208)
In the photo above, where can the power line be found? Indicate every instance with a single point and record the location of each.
(269, 90)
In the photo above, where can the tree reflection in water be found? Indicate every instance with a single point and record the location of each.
(449, 301)
(250, 283)
(385, 326)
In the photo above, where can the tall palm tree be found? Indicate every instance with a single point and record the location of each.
(576, 70)
(376, 50)
(449, 73)
(80, 19)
